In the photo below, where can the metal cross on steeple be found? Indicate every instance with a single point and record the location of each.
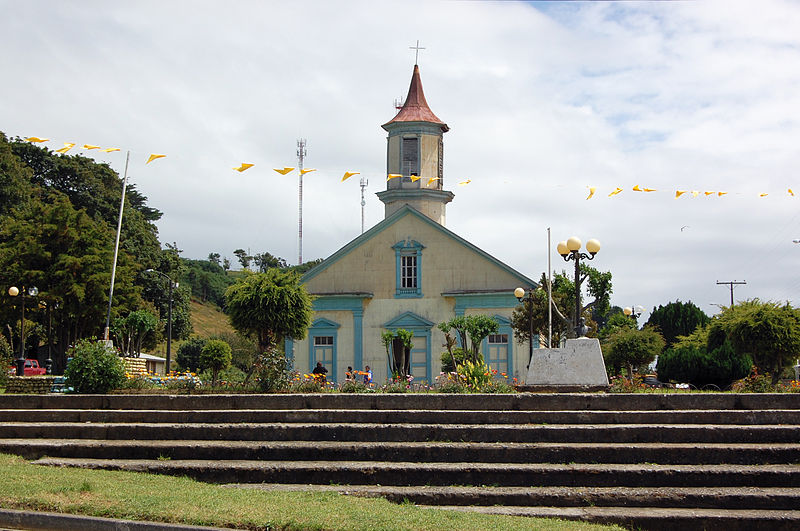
(417, 48)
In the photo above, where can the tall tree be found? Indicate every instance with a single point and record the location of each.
(633, 348)
(270, 307)
(677, 319)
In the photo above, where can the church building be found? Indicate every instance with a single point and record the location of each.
(408, 271)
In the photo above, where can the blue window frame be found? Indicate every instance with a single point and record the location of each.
(322, 342)
(408, 274)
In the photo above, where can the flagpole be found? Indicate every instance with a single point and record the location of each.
(549, 296)
(116, 246)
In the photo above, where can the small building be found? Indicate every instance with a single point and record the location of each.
(409, 271)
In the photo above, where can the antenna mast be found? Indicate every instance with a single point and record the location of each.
(301, 154)
(364, 183)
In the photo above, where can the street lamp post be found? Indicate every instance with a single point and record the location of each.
(50, 305)
(522, 296)
(571, 250)
(169, 318)
(14, 291)
(633, 311)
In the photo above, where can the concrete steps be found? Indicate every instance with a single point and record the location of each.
(695, 461)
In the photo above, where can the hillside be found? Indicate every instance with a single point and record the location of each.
(208, 319)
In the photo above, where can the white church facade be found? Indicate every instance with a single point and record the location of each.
(408, 271)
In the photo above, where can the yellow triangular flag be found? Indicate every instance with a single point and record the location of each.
(648, 190)
(695, 193)
(36, 139)
(303, 172)
(615, 192)
(284, 171)
(89, 146)
(679, 193)
(415, 178)
(462, 183)
(393, 176)
(637, 189)
(67, 147)
(790, 192)
(720, 194)
(154, 156)
(109, 150)
(591, 192)
(708, 193)
(349, 174)
(432, 179)
(243, 167)
(763, 195)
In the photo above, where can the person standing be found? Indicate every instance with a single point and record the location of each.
(367, 375)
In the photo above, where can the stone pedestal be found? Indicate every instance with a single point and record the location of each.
(577, 366)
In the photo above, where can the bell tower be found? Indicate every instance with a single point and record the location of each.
(415, 157)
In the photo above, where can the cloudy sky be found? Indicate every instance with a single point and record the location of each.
(544, 100)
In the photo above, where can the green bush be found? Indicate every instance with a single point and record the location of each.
(94, 368)
(447, 359)
(273, 371)
(354, 387)
(694, 365)
(215, 355)
(188, 357)
(6, 360)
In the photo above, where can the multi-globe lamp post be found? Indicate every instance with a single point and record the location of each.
(571, 250)
(633, 311)
(32, 291)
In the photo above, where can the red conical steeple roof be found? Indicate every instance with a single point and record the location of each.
(416, 109)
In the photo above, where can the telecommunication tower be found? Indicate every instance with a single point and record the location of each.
(301, 154)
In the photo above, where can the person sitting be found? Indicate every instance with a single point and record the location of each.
(320, 370)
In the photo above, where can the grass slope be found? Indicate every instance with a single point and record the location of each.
(145, 497)
(208, 320)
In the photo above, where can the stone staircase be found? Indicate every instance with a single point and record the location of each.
(645, 461)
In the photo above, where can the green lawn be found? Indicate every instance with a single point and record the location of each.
(155, 498)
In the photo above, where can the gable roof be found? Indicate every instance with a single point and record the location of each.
(407, 210)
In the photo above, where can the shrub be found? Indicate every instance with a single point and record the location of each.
(273, 371)
(447, 359)
(754, 383)
(189, 354)
(6, 360)
(354, 387)
(694, 365)
(216, 355)
(94, 368)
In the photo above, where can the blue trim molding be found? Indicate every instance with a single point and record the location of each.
(482, 300)
(402, 249)
(323, 327)
(349, 303)
(421, 327)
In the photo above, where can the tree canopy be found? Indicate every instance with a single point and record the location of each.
(677, 319)
(269, 306)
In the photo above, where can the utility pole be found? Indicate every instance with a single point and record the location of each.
(364, 183)
(301, 154)
(731, 284)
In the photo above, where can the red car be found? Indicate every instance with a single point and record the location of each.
(32, 368)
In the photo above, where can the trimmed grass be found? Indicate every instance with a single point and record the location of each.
(145, 497)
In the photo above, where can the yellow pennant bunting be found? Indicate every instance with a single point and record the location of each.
(89, 146)
(36, 139)
(679, 193)
(637, 189)
(109, 150)
(648, 189)
(720, 194)
(432, 179)
(615, 192)
(67, 147)
(284, 171)
(303, 172)
(708, 193)
(154, 156)
(349, 174)
(393, 176)
(415, 178)
(790, 192)
(695, 193)
(462, 183)
(591, 192)
(763, 195)
(243, 167)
